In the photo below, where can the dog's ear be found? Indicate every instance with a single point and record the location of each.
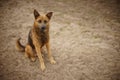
(49, 15)
(36, 14)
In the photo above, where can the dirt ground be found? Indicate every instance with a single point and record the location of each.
(85, 39)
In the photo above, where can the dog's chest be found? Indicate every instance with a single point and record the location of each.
(43, 39)
(40, 38)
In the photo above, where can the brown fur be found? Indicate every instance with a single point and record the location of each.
(37, 38)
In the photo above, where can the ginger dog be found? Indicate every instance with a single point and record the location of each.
(37, 38)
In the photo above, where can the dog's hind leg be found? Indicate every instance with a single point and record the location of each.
(29, 52)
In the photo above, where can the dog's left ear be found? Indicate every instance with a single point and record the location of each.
(49, 15)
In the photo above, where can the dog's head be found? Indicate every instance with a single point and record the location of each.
(42, 21)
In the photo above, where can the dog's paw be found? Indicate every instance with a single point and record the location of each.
(33, 59)
(42, 67)
(26, 55)
(52, 61)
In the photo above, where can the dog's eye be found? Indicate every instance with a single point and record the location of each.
(39, 21)
(45, 21)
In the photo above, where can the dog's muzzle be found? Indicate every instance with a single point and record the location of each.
(43, 27)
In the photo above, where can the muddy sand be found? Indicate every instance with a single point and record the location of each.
(85, 39)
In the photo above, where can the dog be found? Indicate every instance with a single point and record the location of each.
(37, 38)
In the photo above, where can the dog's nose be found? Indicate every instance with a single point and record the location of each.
(43, 27)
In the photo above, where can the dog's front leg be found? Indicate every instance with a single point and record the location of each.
(38, 50)
(52, 61)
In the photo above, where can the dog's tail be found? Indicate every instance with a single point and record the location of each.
(19, 46)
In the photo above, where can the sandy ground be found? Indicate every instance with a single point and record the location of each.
(85, 39)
